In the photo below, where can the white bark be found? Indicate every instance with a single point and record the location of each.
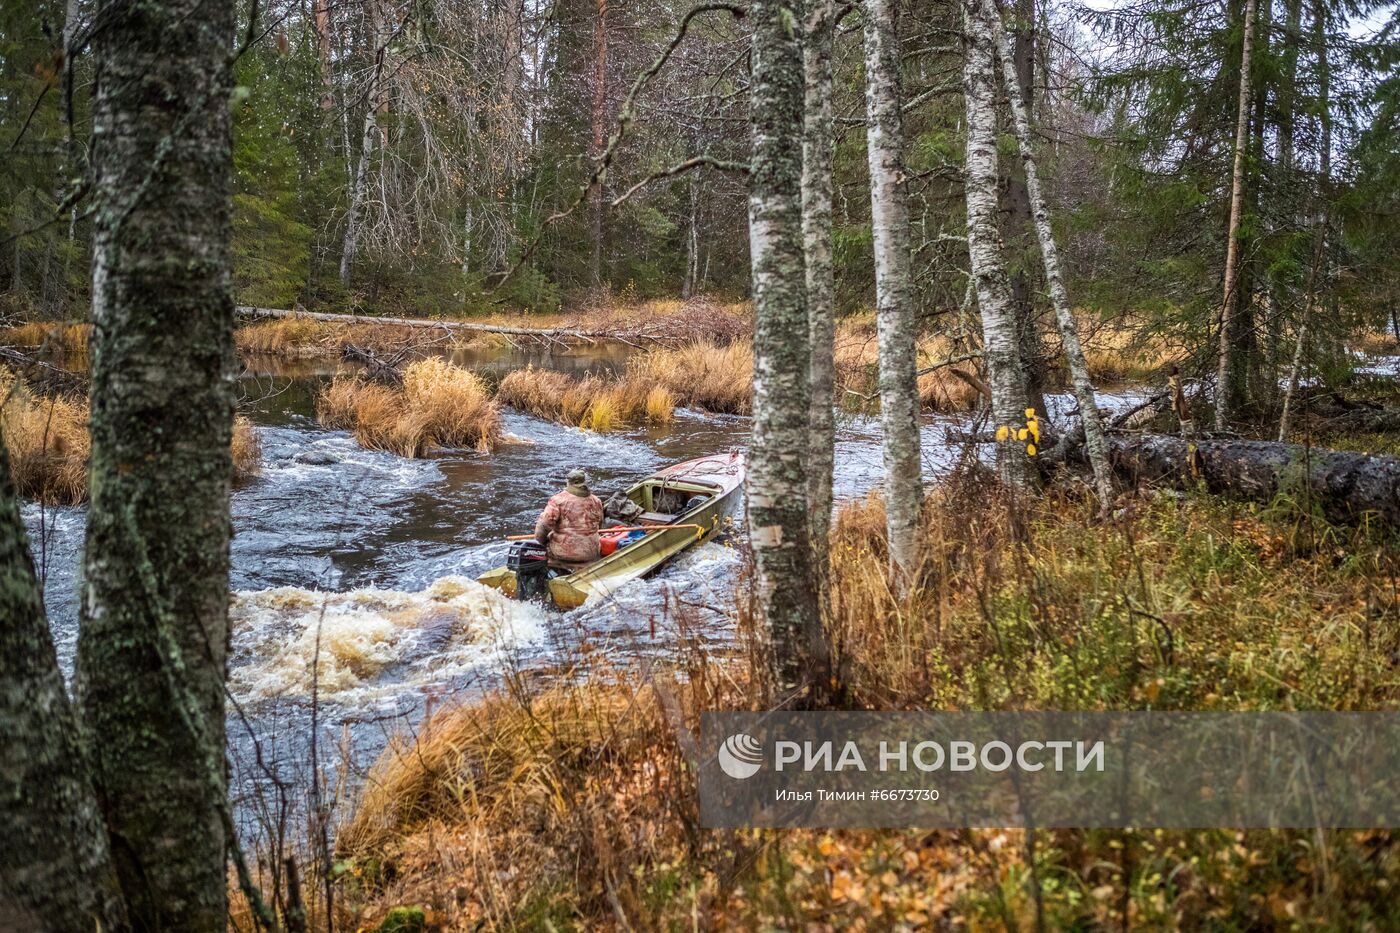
(1094, 441)
(818, 144)
(354, 219)
(1319, 258)
(779, 525)
(1232, 248)
(1000, 347)
(889, 216)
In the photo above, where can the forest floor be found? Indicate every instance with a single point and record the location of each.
(568, 802)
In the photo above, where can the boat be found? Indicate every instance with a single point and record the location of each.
(681, 506)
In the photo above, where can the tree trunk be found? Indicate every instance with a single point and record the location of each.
(779, 531)
(1054, 277)
(1227, 383)
(1343, 483)
(818, 145)
(55, 870)
(599, 140)
(359, 185)
(692, 240)
(154, 629)
(894, 292)
(1283, 289)
(1018, 219)
(1318, 270)
(1000, 346)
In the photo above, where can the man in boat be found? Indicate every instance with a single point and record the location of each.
(568, 526)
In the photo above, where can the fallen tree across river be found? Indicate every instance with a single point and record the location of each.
(625, 332)
(1346, 484)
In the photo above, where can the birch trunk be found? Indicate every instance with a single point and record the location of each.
(779, 531)
(1019, 222)
(55, 869)
(1317, 271)
(1225, 372)
(360, 183)
(599, 140)
(818, 143)
(894, 299)
(1095, 445)
(152, 649)
(1000, 349)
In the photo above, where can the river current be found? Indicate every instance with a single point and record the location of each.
(365, 562)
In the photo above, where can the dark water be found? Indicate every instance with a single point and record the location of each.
(366, 562)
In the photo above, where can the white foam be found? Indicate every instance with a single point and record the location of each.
(424, 638)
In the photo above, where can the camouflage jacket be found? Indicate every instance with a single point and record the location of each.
(569, 525)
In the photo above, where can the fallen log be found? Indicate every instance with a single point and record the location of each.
(1345, 484)
(538, 333)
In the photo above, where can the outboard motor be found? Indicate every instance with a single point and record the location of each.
(529, 561)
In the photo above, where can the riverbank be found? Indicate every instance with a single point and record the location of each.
(571, 802)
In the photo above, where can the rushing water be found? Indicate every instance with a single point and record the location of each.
(365, 562)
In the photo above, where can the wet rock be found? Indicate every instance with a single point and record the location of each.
(317, 457)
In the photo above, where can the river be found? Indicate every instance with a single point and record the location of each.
(368, 561)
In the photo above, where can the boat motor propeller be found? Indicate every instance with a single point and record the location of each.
(529, 561)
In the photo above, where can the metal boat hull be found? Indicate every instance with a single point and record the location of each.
(720, 477)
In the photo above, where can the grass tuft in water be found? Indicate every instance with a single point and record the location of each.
(439, 406)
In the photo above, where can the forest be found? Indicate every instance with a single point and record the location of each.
(983, 356)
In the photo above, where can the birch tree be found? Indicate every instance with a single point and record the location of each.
(1000, 348)
(55, 868)
(359, 184)
(818, 143)
(779, 532)
(1094, 440)
(154, 625)
(1317, 272)
(1225, 373)
(894, 296)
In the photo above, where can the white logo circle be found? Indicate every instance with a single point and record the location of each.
(740, 756)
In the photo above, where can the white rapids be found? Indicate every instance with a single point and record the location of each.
(358, 642)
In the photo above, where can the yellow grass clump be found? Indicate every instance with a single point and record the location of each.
(596, 403)
(246, 449)
(288, 335)
(702, 374)
(54, 336)
(438, 406)
(48, 443)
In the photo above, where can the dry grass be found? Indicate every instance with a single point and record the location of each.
(1119, 353)
(703, 374)
(289, 336)
(301, 337)
(48, 443)
(574, 807)
(596, 403)
(246, 449)
(439, 406)
(671, 319)
(51, 336)
(856, 354)
(1377, 343)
